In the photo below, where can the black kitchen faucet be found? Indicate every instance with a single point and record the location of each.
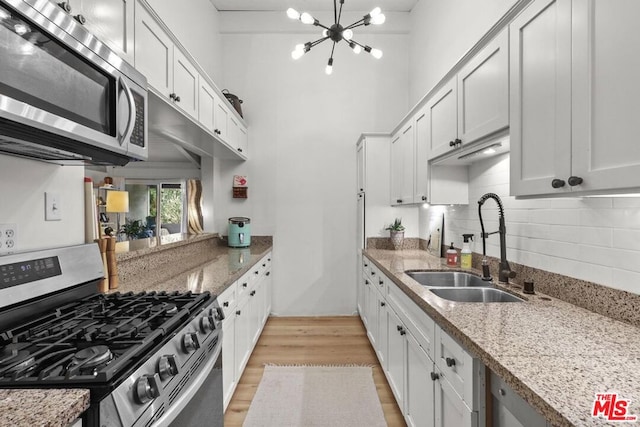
(505, 272)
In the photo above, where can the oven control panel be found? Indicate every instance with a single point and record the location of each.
(19, 273)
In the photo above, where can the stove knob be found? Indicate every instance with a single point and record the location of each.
(190, 342)
(147, 388)
(167, 366)
(206, 324)
(217, 313)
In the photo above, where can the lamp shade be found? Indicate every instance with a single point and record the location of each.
(117, 201)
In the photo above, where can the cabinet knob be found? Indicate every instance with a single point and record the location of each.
(399, 328)
(244, 285)
(366, 282)
(450, 361)
(252, 293)
(452, 143)
(65, 6)
(240, 150)
(403, 332)
(382, 304)
(267, 273)
(373, 273)
(81, 19)
(434, 376)
(574, 180)
(424, 198)
(225, 304)
(381, 282)
(399, 201)
(458, 141)
(238, 312)
(557, 183)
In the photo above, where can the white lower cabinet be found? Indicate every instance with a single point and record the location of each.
(246, 305)
(436, 382)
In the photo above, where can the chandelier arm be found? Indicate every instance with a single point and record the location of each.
(335, 11)
(332, 49)
(317, 42)
(356, 24)
(339, 14)
(317, 24)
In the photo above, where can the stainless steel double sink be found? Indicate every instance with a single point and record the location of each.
(461, 287)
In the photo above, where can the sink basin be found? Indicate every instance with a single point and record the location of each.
(447, 279)
(475, 295)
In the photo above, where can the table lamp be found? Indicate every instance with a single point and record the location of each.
(117, 202)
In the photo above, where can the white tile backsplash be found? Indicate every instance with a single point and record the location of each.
(593, 239)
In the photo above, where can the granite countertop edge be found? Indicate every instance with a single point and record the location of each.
(448, 315)
(42, 407)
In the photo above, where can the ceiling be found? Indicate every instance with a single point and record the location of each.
(313, 5)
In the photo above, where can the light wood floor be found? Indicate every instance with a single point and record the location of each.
(311, 340)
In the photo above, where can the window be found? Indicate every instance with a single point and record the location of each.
(159, 205)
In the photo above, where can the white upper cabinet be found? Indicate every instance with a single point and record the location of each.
(421, 136)
(207, 100)
(475, 103)
(112, 22)
(185, 84)
(154, 52)
(606, 94)
(442, 110)
(540, 80)
(483, 91)
(403, 165)
(575, 98)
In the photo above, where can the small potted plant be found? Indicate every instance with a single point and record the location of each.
(396, 232)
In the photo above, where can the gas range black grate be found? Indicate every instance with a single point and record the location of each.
(92, 340)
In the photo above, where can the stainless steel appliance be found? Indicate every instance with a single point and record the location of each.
(65, 97)
(147, 358)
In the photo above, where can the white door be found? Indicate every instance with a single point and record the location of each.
(154, 52)
(419, 404)
(483, 91)
(540, 98)
(606, 94)
(442, 110)
(185, 84)
(421, 141)
(113, 22)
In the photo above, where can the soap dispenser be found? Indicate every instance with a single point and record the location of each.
(465, 254)
(452, 256)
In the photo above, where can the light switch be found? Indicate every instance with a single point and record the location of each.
(52, 207)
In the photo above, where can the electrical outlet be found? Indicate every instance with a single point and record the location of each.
(52, 207)
(8, 238)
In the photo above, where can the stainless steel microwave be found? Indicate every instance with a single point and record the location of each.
(65, 97)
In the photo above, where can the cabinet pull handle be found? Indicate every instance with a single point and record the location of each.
(267, 273)
(382, 304)
(366, 265)
(403, 332)
(458, 141)
(244, 285)
(434, 376)
(252, 293)
(399, 201)
(452, 143)
(450, 361)
(256, 272)
(574, 180)
(557, 183)
(240, 150)
(424, 198)
(225, 304)
(65, 6)
(81, 19)
(381, 282)
(366, 282)
(238, 312)
(373, 273)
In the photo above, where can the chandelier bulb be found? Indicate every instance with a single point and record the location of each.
(293, 14)
(378, 19)
(306, 18)
(329, 67)
(376, 53)
(376, 11)
(297, 54)
(356, 48)
(325, 33)
(347, 34)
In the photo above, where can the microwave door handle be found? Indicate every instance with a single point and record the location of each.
(132, 111)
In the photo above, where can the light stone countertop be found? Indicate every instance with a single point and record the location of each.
(42, 407)
(557, 356)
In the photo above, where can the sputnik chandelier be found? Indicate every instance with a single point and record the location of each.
(337, 32)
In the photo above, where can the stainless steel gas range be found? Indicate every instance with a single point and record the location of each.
(147, 358)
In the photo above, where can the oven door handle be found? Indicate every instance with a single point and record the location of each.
(132, 110)
(188, 393)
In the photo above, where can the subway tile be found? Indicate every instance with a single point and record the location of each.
(596, 236)
(626, 280)
(627, 239)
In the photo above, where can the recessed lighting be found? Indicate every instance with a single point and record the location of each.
(20, 29)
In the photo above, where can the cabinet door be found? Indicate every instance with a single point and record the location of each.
(360, 161)
(483, 91)
(233, 132)
(185, 84)
(228, 358)
(396, 169)
(364, 314)
(372, 313)
(267, 292)
(450, 410)
(420, 387)
(606, 94)
(442, 111)
(242, 337)
(154, 52)
(382, 349)
(113, 22)
(396, 356)
(408, 163)
(206, 105)
(421, 138)
(221, 119)
(540, 97)
(243, 140)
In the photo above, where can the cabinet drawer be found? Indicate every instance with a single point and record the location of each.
(366, 267)
(458, 367)
(244, 284)
(228, 299)
(421, 326)
(379, 280)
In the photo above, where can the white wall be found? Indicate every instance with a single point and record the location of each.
(22, 186)
(303, 126)
(594, 239)
(197, 27)
(441, 33)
